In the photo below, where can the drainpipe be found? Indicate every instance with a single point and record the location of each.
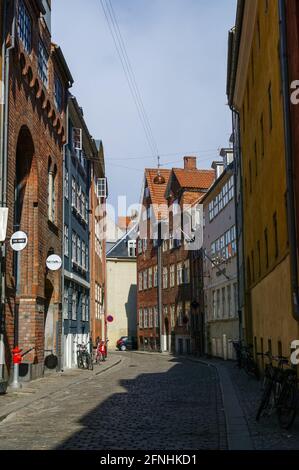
(159, 287)
(289, 159)
(4, 151)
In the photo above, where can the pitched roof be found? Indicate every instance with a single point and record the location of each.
(195, 179)
(157, 191)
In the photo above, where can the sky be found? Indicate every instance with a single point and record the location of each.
(178, 53)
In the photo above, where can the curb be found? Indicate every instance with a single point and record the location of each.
(52, 392)
(238, 435)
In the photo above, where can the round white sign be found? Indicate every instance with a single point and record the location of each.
(54, 263)
(19, 241)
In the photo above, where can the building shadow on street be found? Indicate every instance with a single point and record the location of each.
(179, 409)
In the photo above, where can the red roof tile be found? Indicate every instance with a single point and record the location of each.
(157, 191)
(195, 179)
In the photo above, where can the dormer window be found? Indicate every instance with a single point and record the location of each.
(25, 27)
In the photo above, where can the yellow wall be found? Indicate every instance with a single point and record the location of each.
(268, 306)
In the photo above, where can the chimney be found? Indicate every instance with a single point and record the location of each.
(190, 163)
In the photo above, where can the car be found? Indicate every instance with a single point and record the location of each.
(126, 342)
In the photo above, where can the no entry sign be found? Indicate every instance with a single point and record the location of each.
(110, 319)
(19, 241)
(54, 263)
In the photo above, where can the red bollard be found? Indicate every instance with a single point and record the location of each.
(17, 360)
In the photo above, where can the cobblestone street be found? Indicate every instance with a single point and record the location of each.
(148, 402)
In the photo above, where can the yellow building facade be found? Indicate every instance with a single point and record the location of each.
(257, 97)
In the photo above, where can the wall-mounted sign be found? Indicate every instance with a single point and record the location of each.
(19, 241)
(54, 263)
(110, 319)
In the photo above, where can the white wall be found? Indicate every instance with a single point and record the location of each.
(121, 299)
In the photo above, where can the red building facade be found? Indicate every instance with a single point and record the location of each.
(36, 109)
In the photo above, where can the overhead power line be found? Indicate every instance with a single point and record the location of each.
(129, 74)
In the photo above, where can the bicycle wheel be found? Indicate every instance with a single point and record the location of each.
(265, 398)
(287, 405)
(80, 361)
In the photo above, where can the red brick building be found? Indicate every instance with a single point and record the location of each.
(180, 266)
(98, 247)
(36, 109)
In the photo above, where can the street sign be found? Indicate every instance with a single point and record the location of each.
(110, 319)
(3, 223)
(54, 263)
(19, 241)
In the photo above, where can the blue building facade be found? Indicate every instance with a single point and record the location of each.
(80, 150)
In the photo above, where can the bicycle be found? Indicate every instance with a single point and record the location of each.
(84, 358)
(280, 391)
(245, 359)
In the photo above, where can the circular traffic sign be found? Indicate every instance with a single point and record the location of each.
(110, 319)
(54, 263)
(19, 241)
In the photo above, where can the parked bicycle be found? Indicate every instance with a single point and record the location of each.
(245, 359)
(280, 391)
(84, 358)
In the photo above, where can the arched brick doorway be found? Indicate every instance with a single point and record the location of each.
(26, 263)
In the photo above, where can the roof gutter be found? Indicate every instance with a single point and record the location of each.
(289, 159)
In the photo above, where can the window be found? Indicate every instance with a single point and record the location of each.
(150, 278)
(214, 304)
(139, 247)
(179, 274)
(231, 188)
(74, 192)
(144, 280)
(51, 195)
(66, 303)
(172, 275)
(150, 318)
(165, 311)
(165, 277)
(74, 247)
(144, 245)
(79, 200)
(145, 319)
(83, 307)
(24, 27)
(66, 183)
(102, 188)
(83, 255)
(235, 299)
(79, 258)
(66, 240)
(211, 211)
(165, 246)
(77, 139)
(140, 318)
(140, 281)
(58, 94)
(43, 59)
(132, 248)
(74, 305)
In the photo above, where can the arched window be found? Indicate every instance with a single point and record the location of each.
(52, 191)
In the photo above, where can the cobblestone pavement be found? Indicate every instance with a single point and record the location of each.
(147, 402)
(265, 435)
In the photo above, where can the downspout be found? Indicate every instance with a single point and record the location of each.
(4, 152)
(62, 348)
(159, 286)
(289, 159)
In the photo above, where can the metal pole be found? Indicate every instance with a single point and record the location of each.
(16, 385)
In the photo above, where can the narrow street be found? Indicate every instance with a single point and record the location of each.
(145, 402)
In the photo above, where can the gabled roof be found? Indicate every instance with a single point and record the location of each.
(194, 179)
(120, 248)
(157, 191)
